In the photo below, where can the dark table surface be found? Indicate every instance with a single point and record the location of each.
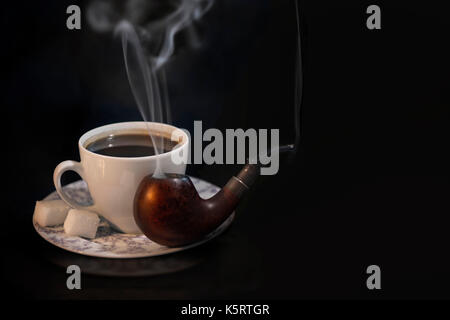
(283, 244)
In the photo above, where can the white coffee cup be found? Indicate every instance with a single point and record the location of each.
(113, 181)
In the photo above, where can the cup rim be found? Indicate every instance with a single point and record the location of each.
(121, 126)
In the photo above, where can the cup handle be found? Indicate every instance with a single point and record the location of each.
(59, 170)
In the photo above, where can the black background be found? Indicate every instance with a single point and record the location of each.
(369, 184)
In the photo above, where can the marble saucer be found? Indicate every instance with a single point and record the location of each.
(110, 243)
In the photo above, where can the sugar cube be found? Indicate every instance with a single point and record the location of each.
(50, 212)
(81, 223)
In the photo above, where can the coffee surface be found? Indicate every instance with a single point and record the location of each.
(130, 145)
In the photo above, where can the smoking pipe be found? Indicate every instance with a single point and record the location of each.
(169, 211)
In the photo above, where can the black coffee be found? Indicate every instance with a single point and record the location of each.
(131, 145)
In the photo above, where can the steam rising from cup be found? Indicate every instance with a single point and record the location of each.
(156, 22)
(147, 29)
(143, 82)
